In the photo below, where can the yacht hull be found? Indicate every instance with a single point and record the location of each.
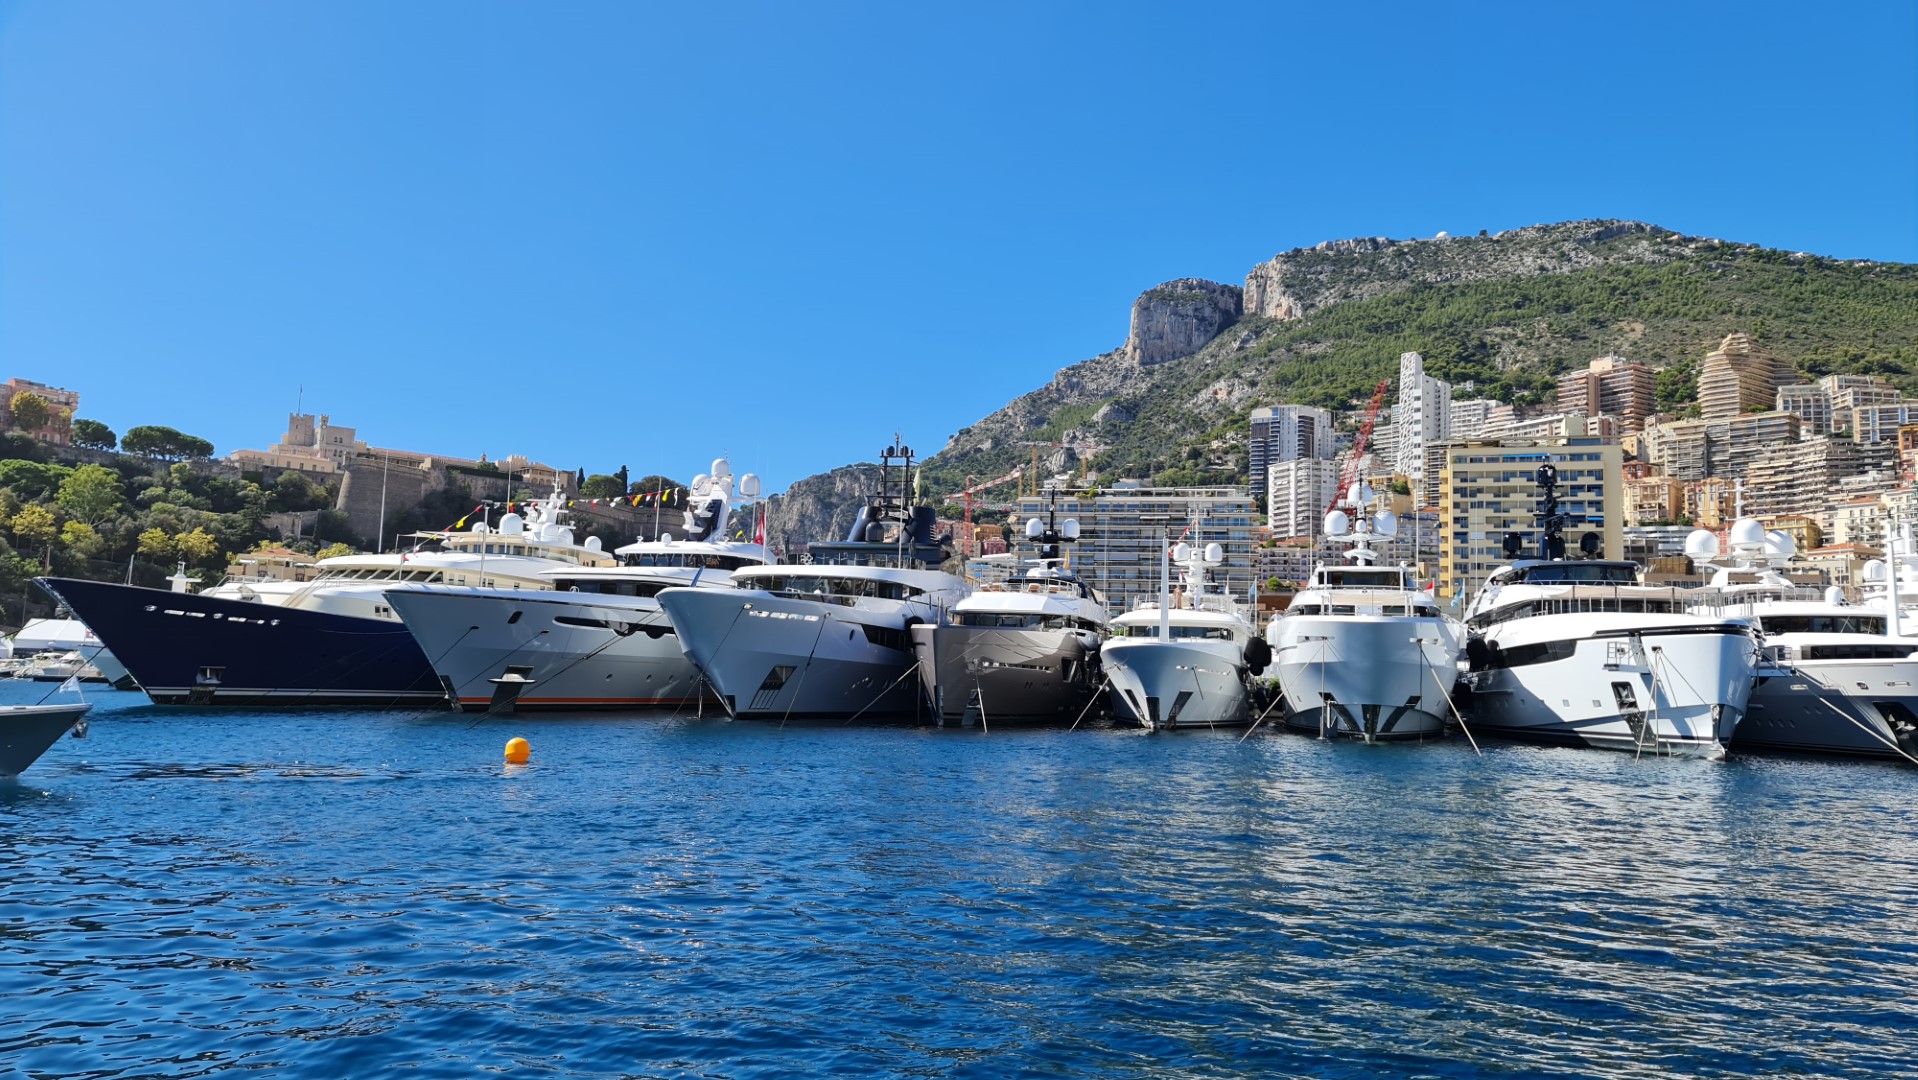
(1373, 678)
(1669, 689)
(27, 731)
(1866, 710)
(548, 651)
(190, 649)
(770, 657)
(1167, 685)
(973, 674)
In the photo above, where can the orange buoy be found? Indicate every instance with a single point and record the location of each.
(518, 751)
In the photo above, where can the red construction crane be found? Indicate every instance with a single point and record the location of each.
(1357, 461)
(974, 489)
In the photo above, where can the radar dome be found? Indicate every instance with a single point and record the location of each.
(546, 533)
(512, 524)
(592, 543)
(749, 485)
(1214, 554)
(1873, 571)
(1034, 527)
(721, 467)
(702, 484)
(480, 528)
(1780, 544)
(1181, 552)
(564, 535)
(1070, 529)
(1337, 523)
(1834, 595)
(665, 538)
(1386, 523)
(1747, 532)
(1702, 544)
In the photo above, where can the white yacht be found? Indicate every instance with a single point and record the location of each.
(1578, 651)
(829, 638)
(1021, 651)
(596, 637)
(1183, 660)
(1362, 651)
(331, 641)
(1833, 677)
(62, 637)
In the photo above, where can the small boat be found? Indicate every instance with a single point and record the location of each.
(27, 731)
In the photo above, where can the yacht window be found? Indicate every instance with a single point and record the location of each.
(1822, 624)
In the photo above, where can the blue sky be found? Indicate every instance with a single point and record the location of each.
(639, 234)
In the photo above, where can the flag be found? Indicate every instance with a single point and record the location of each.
(759, 530)
(71, 686)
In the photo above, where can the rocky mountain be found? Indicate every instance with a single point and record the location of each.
(1320, 325)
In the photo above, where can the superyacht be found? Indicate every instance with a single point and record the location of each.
(829, 638)
(1184, 659)
(1362, 651)
(1579, 652)
(1833, 677)
(1021, 651)
(332, 641)
(597, 638)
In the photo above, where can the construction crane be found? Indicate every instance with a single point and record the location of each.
(973, 489)
(1356, 462)
(1084, 452)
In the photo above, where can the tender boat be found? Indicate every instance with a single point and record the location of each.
(1184, 660)
(831, 638)
(331, 641)
(66, 636)
(1362, 651)
(1833, 677)
(598, 638)
(27, 731)
(1578, 651)
(1022, 651)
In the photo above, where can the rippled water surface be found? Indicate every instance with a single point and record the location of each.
(189, 892)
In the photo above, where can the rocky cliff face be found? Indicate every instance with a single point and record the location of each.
(1293, 283)
(1176, 319)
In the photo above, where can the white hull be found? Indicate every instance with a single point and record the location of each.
(1372, 677)
(561, 652)
(1673, 687)
(772, 657)
(1176, 683)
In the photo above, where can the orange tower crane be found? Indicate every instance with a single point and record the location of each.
(1357, 461)
(973, 489)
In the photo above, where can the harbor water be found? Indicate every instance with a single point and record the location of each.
(318, 892)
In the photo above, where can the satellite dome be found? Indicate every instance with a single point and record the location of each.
(1834, 595)
(592, 543)
(1702, 544)
(1214, 554)
(1069, 528)
(1873, 571)
(1034, 527)
(512, 524)
(721, 467)
(1337, 523)
(702, 484)
(480, 528)
(749, 485)
(1386, 523)
(1747, 532)
(564, 535)
(1181, 552)
(1780, 544)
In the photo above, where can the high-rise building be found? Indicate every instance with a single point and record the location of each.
(1848, 392)
(1423, 415)
(1297, 495)
(1695, 449)
(1609, 386)
(1469, 418)
(1489, 490)
(1811, 404)
(1288, 433)
(1880, 423)
(1800, 477)
(1739, 377)
(1123, 528)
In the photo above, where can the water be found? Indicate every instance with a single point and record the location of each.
(188, 893)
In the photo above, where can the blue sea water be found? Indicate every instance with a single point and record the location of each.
(186, 893)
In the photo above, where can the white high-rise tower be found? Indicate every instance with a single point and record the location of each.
(1424, 415)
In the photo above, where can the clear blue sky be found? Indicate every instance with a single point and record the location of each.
(629, 233)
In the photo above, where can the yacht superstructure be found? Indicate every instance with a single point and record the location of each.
(829, 638)
(1362, 651)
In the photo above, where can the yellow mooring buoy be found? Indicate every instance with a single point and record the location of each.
(518, 751)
